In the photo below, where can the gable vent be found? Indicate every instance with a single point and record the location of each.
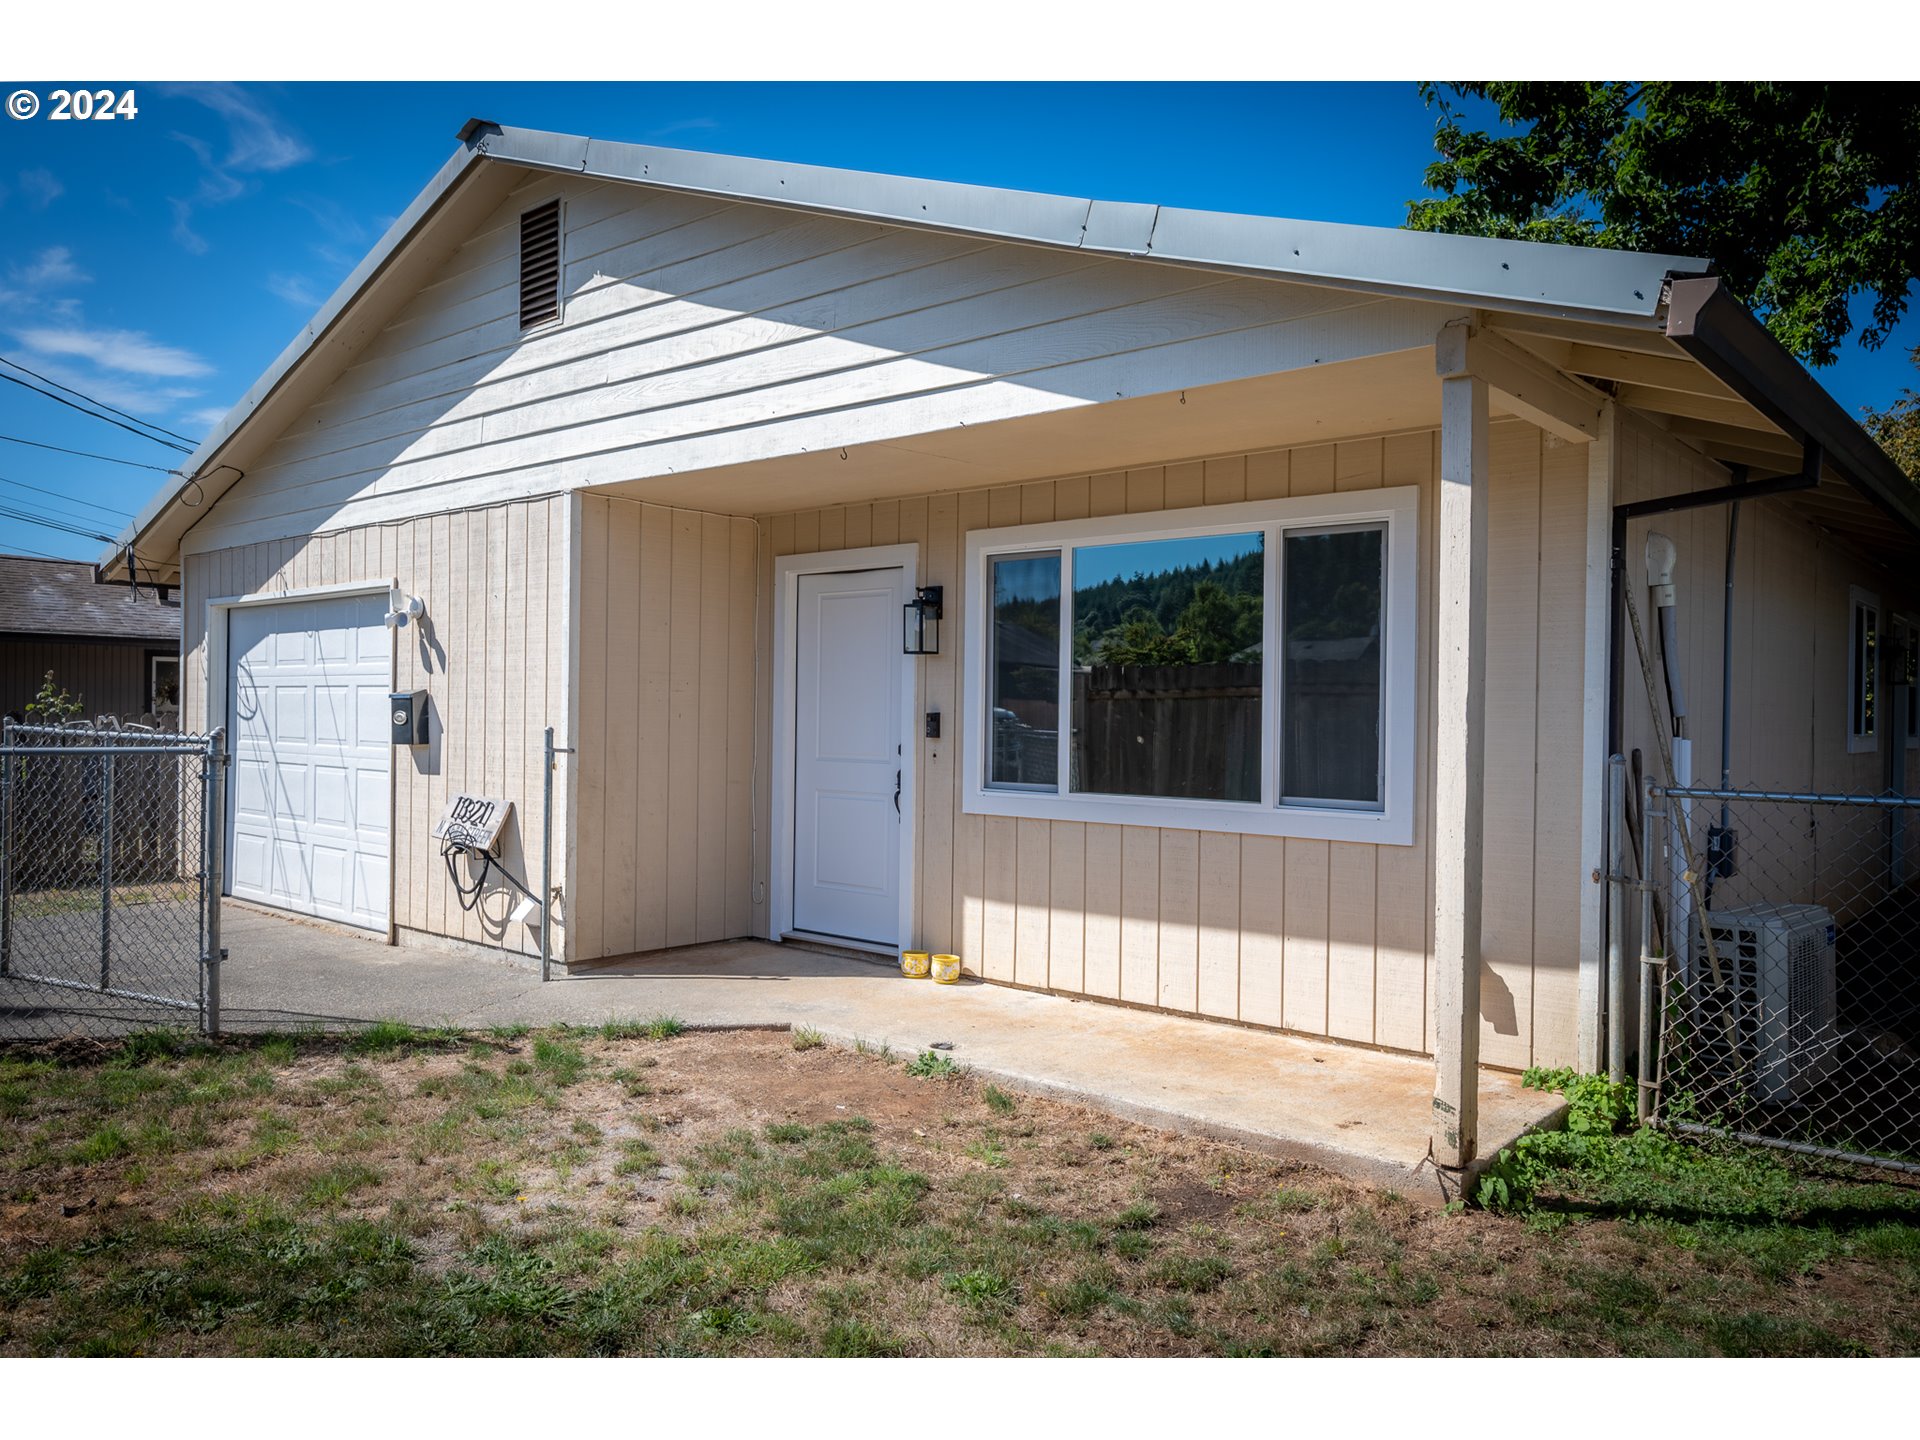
(540, 265)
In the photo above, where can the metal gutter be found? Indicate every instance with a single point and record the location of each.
(1725, 338)
(1613, 286)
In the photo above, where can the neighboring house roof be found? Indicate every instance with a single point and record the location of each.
(57, 598)
(1584, 290)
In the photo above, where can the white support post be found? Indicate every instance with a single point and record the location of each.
(1459, 755)
(1596, 854)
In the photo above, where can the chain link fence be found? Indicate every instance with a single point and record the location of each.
(110, 853)
(1782, 932)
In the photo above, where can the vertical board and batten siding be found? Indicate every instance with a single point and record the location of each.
(490, 654)
(107, 678)
(699, 332)
(668, 706)
(1326, 938)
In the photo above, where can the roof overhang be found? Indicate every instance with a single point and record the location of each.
(1681, 347)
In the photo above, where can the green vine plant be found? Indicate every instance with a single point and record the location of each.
(1599, 1117)
(53, 706)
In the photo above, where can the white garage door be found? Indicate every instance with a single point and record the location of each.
(308, 800)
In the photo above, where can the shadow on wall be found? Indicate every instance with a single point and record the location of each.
(1496, 1003)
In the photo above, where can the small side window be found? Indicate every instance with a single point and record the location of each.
(1863, 672)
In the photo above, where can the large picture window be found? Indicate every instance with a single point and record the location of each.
(1240, 667)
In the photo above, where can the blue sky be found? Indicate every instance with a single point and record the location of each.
(160, 263)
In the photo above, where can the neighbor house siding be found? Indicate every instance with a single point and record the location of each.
(490, 654)
(1327, 938)
(107, 677)
(699, 332)
(665, 742)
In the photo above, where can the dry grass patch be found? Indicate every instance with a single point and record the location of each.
(645, 1191)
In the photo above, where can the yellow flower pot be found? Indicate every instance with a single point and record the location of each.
(914, 964)
(946, 969)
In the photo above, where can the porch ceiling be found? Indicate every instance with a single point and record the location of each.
(1655, 376)
(1380, 394)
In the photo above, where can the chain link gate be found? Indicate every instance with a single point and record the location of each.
(110, 878)
(1781, 943)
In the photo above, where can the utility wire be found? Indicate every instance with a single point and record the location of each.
(22, 485)
(48, 522)
(155, 439)
(58, 512)
(42, 555)
(88, 454)
(79, 395)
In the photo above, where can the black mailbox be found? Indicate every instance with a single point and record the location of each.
(408, 713)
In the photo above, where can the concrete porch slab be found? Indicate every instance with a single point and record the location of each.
(1359, 1112)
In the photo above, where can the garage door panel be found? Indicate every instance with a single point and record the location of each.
(370, 803)
(333, 877)
(249, 864)
(309, 823)
(333, 796)
(250, 788)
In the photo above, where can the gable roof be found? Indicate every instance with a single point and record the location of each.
(1604, 290)
(61, 597)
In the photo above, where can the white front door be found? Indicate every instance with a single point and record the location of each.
(307, 813)
(846, 755)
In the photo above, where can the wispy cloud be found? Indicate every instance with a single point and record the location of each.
(343, 238)
(678, 127)
(295, 290)
(41, 187)
(51, 270)
(204, 419)
(184, 234)
(256, 144)
(128, 351)
(141, 396)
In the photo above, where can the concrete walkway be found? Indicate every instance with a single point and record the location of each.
(1358, 1112)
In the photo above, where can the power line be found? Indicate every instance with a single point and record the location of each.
(49, 522)
(63, 511)
(42, 555)
(88, 454)
(79, 395)
(91, 505)
(154, 439)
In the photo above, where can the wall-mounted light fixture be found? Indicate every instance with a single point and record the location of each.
(922, 622)
(402, 607)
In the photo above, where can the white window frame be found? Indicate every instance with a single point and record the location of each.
(1863, 742)
(1397, 508)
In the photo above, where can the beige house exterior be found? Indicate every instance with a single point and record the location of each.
(755, 373)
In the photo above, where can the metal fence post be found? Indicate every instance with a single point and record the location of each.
(1617, 919)
(1652, 821)
(6, 847)
(106, 871)
(213, 836)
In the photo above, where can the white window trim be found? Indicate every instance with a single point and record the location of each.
(1863, 742)
(1398, 508)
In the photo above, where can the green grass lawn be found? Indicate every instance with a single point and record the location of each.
(647, 1191)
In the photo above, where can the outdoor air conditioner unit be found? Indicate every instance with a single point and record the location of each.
(1777, 982)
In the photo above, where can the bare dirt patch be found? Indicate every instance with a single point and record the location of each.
(565, 1192)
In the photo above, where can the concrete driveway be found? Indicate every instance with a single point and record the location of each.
(1359, 1112)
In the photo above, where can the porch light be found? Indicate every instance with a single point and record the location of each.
(922, 617)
